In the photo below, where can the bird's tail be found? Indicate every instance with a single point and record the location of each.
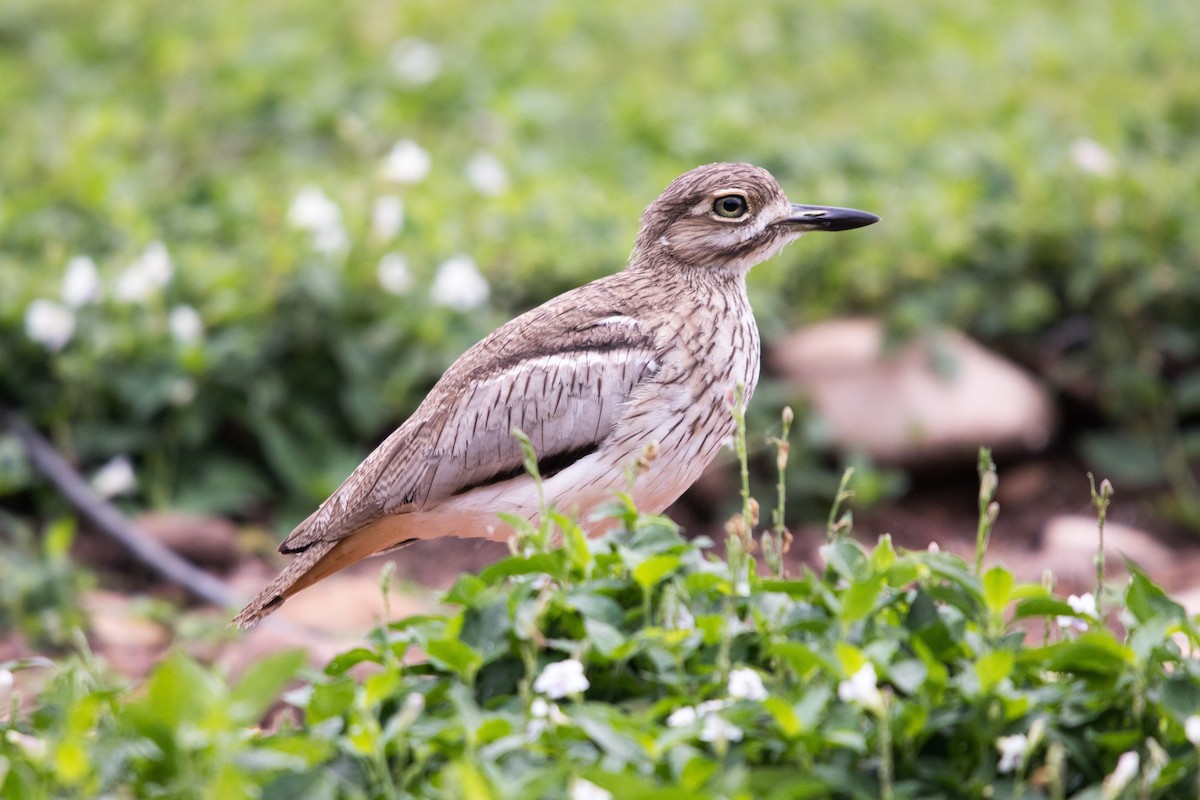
(321, 559)
(309, 567)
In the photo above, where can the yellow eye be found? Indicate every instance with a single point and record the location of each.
(731, 206)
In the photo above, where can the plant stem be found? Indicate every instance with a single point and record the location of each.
(988, 508)
(1100, 499)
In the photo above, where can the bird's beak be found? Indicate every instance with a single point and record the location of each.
(828, 218)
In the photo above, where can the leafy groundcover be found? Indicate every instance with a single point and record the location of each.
(640, 665)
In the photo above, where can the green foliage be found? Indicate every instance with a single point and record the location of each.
(197, 125)
(641, 664)
(39, 586)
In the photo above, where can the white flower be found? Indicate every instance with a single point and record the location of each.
(6, 683)
(415, 61)
(330, 240)
(33, 747)
(586, 790)
(1191, 729)
(186, 325)
(717, 729)
(81, 282)
(115, 478)
(182, 391)
(393, 274)
(487, 174)
(156, 261)
(682, 717)
(148, 273)
(745, 684)
(1126, 770)
(934, 547)
(407, 162)
(862, 689)
(387, 217)
(679, 618)
(1012, 752)
(1091, 157)
(1083, 606)
(459, 285)
(561, 678)
(49, 324)
(313, 211)
(414, 704)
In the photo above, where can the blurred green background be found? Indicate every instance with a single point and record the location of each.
(223, 224)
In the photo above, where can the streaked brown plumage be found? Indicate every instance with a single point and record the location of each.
(646, 355)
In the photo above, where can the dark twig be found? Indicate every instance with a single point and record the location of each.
(109, 520)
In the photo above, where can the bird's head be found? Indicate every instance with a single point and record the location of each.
(731, 216)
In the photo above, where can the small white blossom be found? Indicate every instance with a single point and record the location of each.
(407, 162)
(1083, 606)
(862, 689)
(745, 684)
(330, 240)
(414, 704)
(150, 272)
(682, 717)
(49, 324)
(1091, 157)
(6, 683)
(33, 747)
(487, 174)
(182, 391)
(156, 261)
(1191, 729)
(459, 285)
(115, 478)
(561, 678)
(542, 715)
(1012, 752)
(313, 211)
(393, 274)
(387, 217)
(415, 61)
(586, 790)
(186, 325)
(81, 282)
(934, 547)
(679, 618)
(718, 729)
(1126, 770)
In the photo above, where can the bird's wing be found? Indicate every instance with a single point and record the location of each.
(561, 378)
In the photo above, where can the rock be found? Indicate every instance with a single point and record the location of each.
(1069, 545)
(205, 541)
(933, 398)
(129, 641)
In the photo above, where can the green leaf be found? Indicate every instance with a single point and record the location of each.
(262, 682)
(784, 715)
(997, 589)
(884, 554)
(848, 560)
(651, 571)
(1091, 653)
(859, 600)
(456, 656)
(993, 667)
(1146, 600)
(604, 637)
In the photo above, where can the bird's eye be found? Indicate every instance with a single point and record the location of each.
(731, 206)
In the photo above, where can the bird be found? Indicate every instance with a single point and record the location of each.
(645, 356)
